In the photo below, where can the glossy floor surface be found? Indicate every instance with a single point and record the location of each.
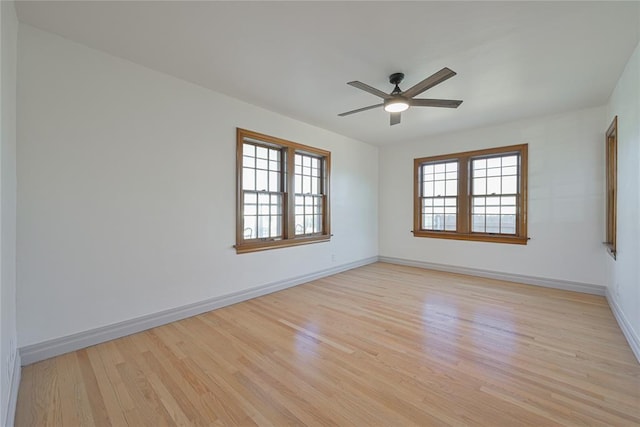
(381, 345)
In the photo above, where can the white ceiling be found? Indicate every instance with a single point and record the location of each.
(513, 59)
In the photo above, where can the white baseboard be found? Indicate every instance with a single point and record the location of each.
(51, 348)
(14, 386)
(529, 280)
(632, 337)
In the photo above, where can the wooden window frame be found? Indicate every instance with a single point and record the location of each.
(289, 238)
(463, 226)
(611, 149)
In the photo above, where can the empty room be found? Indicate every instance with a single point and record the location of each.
(319, 213)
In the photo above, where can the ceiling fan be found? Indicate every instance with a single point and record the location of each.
(398, 101)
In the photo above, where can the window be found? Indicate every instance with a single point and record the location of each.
(612, 185)
(476, 195)
(282, 196)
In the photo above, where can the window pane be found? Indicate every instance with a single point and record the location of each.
(261, 180)
(298, 183)
(250, 209)
(249, 150)
(493, 162)
(262, 164)
(274, 181)
(493, 185)
(508, 200)
(511, 170)
(493, 171)
(248, 179)
(493, 201)
(450, 222)
(274, 155)
(479, 164)
(477, 225)
(248, 162)
(452, 188)
(276, 221)
(439, 188)
(428, 189)
(493, 223)
(250, 226)
(262, 153)
(509, 184)
(479, 186)
(509, 160)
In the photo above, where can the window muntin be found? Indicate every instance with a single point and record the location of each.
(282, 193)
(476, 195)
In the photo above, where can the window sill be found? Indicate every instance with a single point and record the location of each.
(477, 237)
(248, 247)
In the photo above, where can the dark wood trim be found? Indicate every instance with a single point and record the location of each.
(464, 196)
(288, 149)
(523, 197)
(239, 201)
(478, 237)
(611, 151)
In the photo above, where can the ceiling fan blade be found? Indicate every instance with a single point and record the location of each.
(429, 82)
(445, 103)
(360, 109)
(395, 119)
(371, 90)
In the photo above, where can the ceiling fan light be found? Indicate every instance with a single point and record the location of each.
(396, 106)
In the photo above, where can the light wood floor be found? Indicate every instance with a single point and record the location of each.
(379, 345)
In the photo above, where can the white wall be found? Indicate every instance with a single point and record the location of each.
(8, 353)
(624, 272)
(565, 186)
(126, 192)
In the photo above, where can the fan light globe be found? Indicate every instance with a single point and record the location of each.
(396, 106)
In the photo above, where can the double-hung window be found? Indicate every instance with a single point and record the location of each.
(612, 185)
(282, 193)
(475, 195)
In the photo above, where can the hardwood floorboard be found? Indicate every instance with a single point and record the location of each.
(380, 345)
